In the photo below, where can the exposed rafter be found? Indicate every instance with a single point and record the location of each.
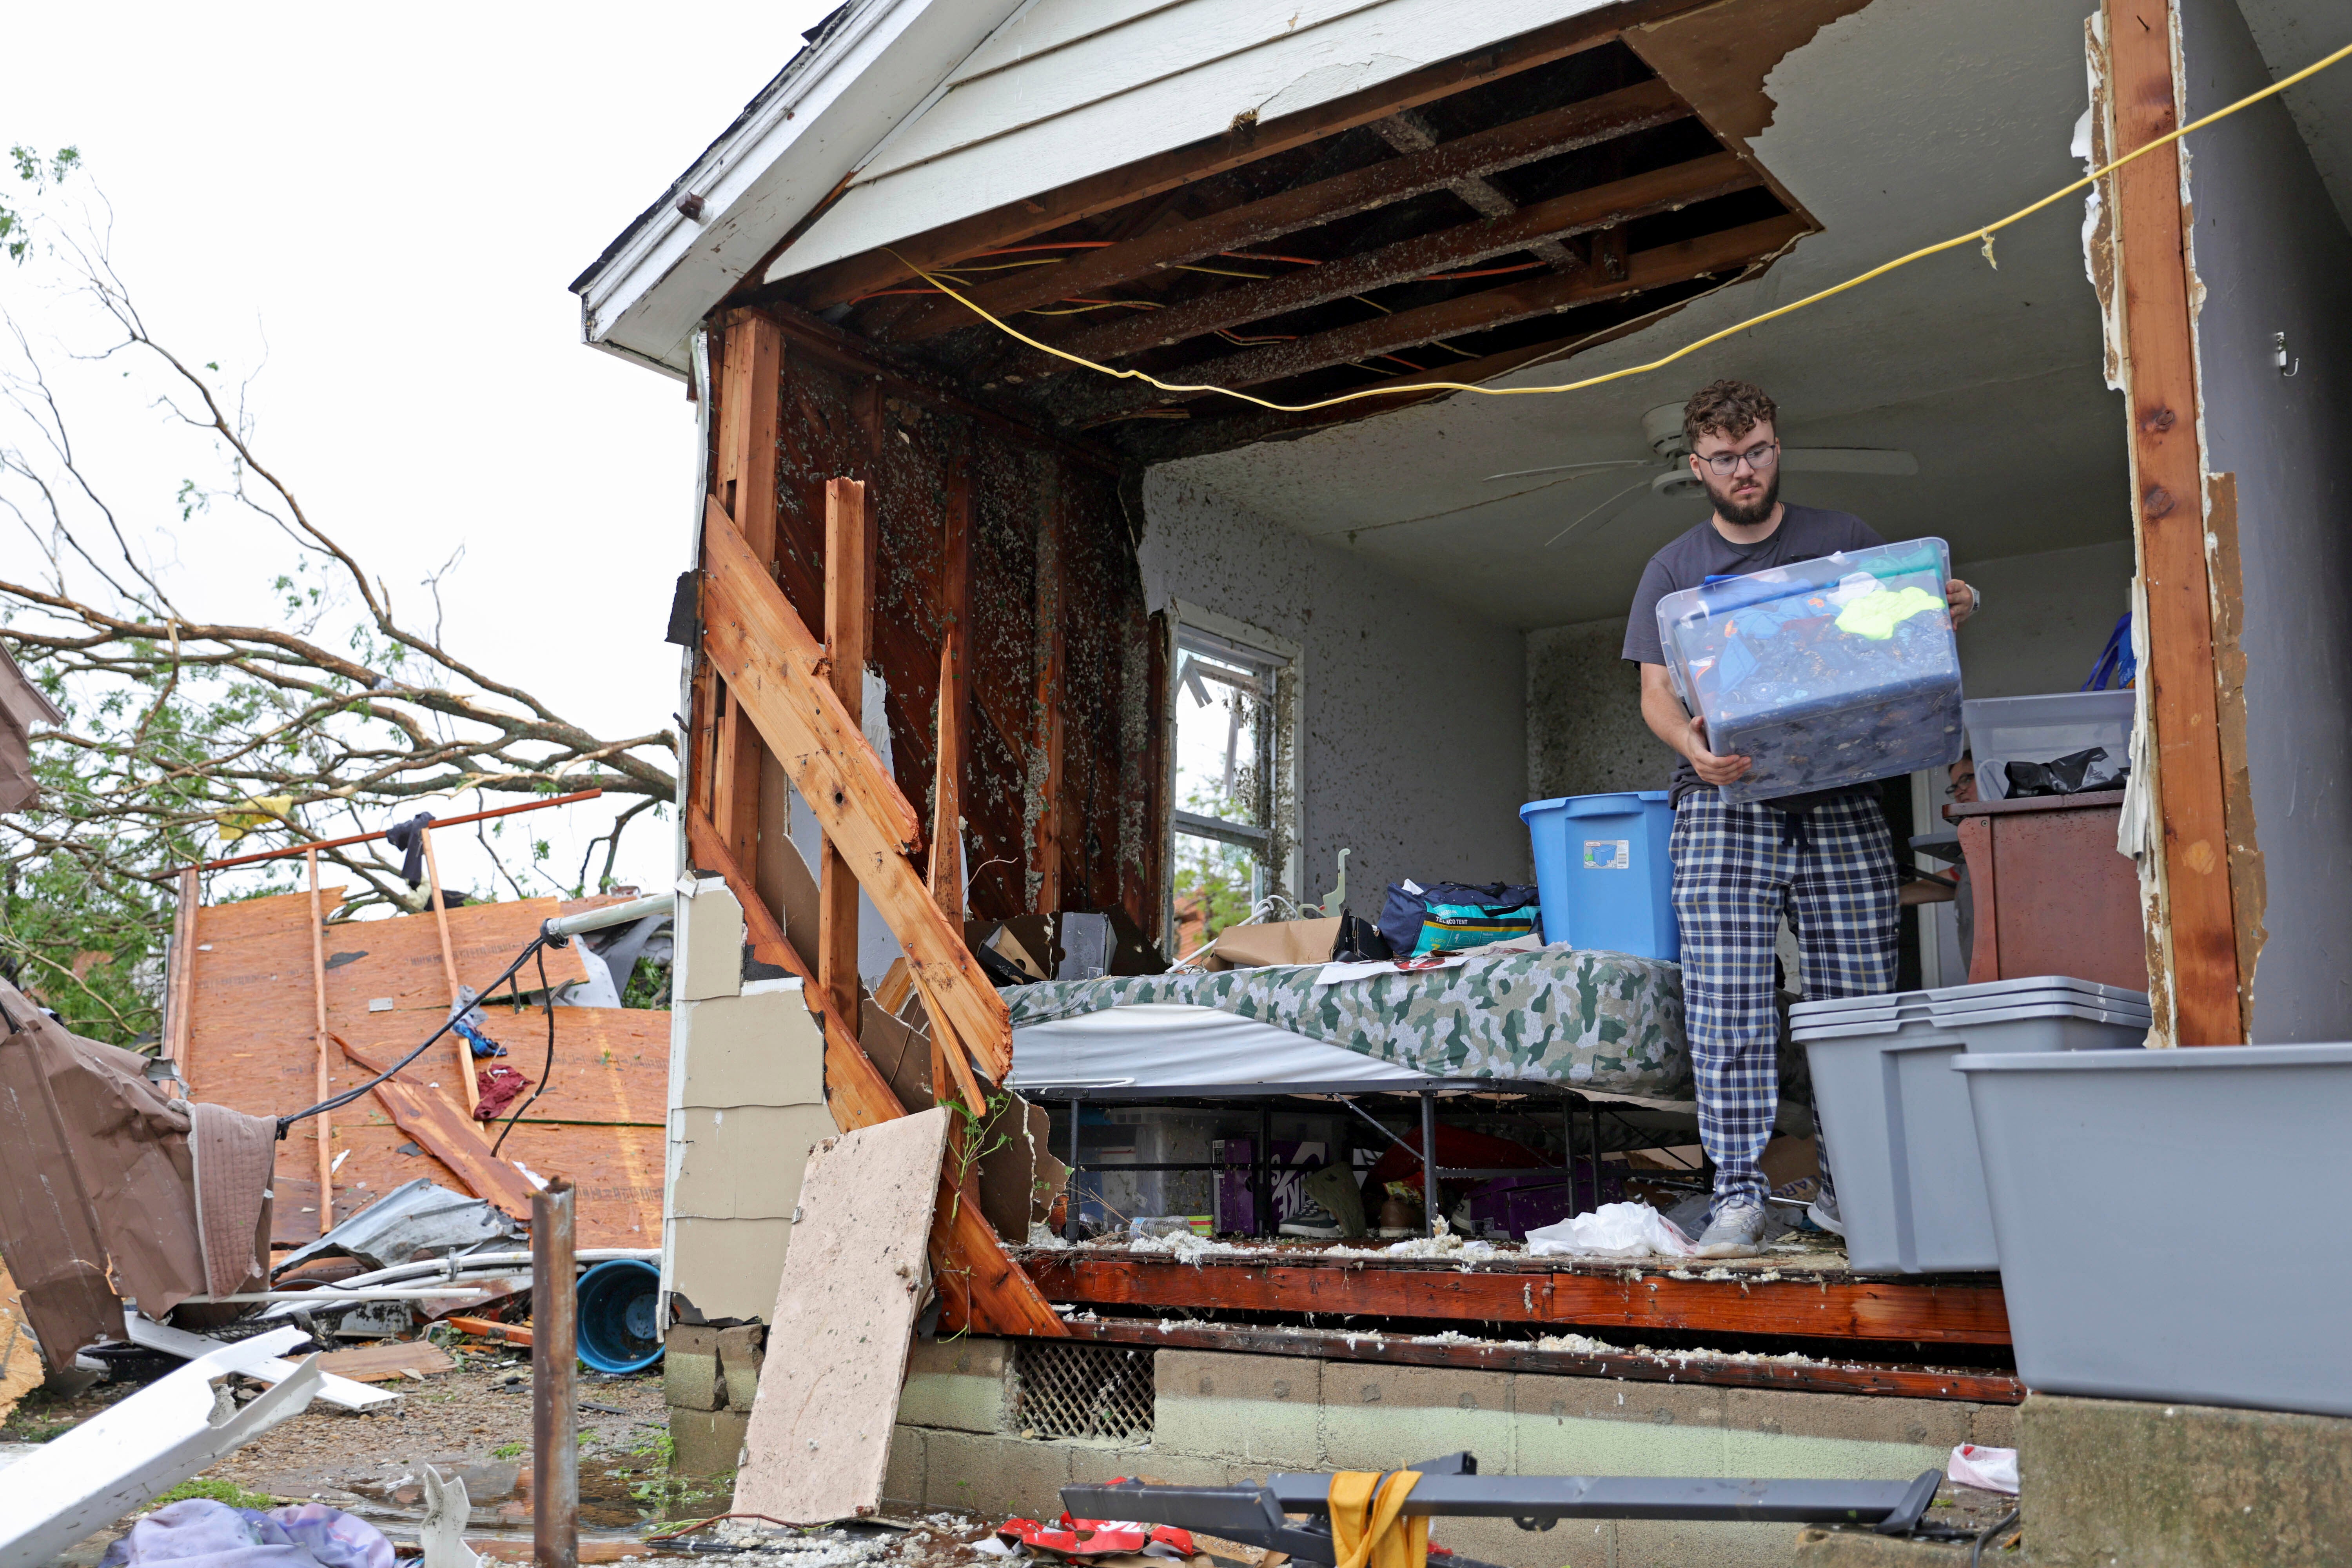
(1246, 143)
(1546, 135)
(1725, 250)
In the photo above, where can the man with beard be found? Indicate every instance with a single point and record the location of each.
(1823, 859)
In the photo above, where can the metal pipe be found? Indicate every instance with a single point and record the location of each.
(1429, 1200)
(555, 1423)
(566, 926)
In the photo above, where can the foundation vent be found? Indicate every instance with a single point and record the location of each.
(1063, 1390)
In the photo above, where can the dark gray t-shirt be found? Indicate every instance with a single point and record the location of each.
(1806, 533)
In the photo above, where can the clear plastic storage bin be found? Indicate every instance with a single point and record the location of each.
(1828, 672)
(2042, 730)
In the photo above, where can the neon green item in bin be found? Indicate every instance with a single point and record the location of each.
(1875, 615)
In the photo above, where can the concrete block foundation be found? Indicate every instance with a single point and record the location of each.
(1221, 1418)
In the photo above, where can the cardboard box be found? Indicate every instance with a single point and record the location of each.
(1272, 941)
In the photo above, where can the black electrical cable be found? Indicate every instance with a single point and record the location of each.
(338, 1101)
(1993, 1531)
(547, 1001)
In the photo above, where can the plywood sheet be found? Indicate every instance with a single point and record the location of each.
(819, 1433)
(250, 1049)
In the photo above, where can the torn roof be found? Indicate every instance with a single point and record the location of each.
(907, 114)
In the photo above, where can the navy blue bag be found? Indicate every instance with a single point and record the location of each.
(1453, 917)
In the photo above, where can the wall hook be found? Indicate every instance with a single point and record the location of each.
(2278, 345)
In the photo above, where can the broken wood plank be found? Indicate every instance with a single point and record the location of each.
(1245, 143)
(471, 1091)
(819, 1438)
(456, 1142)
(759, 643)
(848, 604)
(1966, 1312)
(1725, 250)
(2196, 916)
(484, 1328)
(389, 1360)
(1545, 135)
(752, 375)
(181, 985)
(325, 1132)
(1579, 212)
(1821, 1376)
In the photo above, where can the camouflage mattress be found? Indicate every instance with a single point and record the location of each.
(1603, 1021)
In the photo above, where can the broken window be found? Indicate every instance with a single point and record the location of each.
(1231, 752)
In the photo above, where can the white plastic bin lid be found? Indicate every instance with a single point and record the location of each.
(1915, 1004)
(1985, 993)
(1853, 1027)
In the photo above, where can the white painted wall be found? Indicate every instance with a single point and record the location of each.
(2273, 256)
(1413, 744)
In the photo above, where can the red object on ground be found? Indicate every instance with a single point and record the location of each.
(1457, 1148)
(497, 1087)
(1082, 1538)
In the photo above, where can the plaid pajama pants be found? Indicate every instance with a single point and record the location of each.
(1737, 869)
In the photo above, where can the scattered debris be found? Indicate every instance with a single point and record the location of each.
(150, 1442)
(422, 1219)
(341, 1391)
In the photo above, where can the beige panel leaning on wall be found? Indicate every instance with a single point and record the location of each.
(746, 1106)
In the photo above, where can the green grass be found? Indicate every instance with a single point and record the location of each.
(508, 1451)
(229, 1492)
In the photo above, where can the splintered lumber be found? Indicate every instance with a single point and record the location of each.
(819, 1438)
(449, 972)
(2197, 916)
(483, 1328)
(847, 606)
(771, 665)
(453, 1139)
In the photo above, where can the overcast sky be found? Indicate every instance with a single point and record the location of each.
(395, 201)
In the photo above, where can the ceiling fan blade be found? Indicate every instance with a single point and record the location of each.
(1606, 512)
(1565, 467)
(1848, 461)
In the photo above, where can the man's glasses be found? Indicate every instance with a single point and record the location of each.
(1762, 459)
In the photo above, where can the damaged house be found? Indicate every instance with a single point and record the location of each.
(955, 609)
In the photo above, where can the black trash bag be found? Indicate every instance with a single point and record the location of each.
(2076, 773)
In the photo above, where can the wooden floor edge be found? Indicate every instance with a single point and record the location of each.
(1810, 1376)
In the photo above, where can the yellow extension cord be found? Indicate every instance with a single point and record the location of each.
(1368, 1530)
(1976, 235)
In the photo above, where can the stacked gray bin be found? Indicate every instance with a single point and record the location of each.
(2164, 1222)
(1895, 1124)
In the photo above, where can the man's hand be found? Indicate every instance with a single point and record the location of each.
(1961, 598)
(1713, 769)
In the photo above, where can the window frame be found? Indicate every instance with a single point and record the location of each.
(1277, 844)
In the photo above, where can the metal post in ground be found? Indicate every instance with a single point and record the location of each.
(554, 1418)
(1430, 1212)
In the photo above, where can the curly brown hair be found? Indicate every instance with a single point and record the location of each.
(1727, 409)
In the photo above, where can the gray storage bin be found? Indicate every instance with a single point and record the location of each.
(2154, 1211)
(1896, 1123)
(1983, 993)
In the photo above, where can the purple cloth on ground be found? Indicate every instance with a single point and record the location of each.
(198, 1532)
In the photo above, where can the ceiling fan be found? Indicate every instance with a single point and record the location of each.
(1670, 478)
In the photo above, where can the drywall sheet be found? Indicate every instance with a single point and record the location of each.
(820, 1432)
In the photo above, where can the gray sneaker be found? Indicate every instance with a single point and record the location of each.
(1824, 1211)
(1737, 1231)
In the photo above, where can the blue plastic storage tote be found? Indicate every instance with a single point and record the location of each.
(1604, 875)
(1828, 672)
